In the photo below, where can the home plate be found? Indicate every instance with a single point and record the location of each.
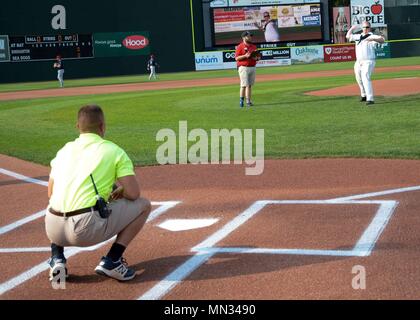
(186, 224)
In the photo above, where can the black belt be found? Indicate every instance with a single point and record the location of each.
(71, 213)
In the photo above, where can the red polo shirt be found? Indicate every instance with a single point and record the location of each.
(242, 49)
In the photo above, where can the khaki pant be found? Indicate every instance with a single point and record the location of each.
(89, 228)
(247, 76)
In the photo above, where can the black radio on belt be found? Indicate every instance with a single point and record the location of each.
(101, 205)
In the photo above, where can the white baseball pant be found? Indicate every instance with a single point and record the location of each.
(363, 70)
(152, 72)
(60, 77)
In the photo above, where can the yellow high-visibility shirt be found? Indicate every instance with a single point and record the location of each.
(71, 168)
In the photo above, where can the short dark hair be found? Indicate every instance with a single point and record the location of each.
(90, 117)
(246, 34)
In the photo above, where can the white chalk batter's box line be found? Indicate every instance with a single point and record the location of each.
(207, 249)
(162, 207)
(363, 247)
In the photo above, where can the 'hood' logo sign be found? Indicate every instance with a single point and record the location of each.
(135, 42)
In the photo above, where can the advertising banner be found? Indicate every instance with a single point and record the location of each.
(219, 3)
(4, 49)
(368, 10)
(384, 51)
(274, 62)
(312, 20)
(209, 60)
(340, 53)
(275, 54)
(312, 54)
(234, 3)
(229, 56)
(218, 60)
(341, 19)
(119, 44)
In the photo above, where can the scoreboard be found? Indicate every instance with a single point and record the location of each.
(47, 47)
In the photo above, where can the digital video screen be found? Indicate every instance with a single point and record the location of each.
(269, 24)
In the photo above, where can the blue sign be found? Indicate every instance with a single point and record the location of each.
(312, 20)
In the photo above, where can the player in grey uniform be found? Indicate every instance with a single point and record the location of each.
(59, 65)
(151, 66)
(366, 45)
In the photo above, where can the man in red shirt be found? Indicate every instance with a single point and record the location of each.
(246, 56)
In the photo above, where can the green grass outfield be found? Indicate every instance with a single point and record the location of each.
(53, 84)
(296, 125)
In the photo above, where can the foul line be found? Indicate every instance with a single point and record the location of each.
(20, 250)
(27, 219)
(23, 178)
(163, 205)
(43, 266)
(378, 194)
(29, 274)
(21, 222)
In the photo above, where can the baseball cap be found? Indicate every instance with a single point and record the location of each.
(246, 33)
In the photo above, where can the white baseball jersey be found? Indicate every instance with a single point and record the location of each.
(271, 33)
(365, 50)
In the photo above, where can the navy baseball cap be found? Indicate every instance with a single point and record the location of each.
(246, 34)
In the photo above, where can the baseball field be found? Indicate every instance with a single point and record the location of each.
(340, 188)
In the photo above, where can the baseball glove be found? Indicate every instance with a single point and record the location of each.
(256, 55)
(55, 65)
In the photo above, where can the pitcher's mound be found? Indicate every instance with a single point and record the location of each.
(388, 88)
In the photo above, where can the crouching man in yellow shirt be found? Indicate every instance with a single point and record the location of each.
(83, 171)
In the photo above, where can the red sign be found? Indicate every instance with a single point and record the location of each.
(376, 8)
(135, 42)
(222, 15)
(340, 53)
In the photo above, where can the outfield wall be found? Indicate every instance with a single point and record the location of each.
(168, 28)
(176, 34)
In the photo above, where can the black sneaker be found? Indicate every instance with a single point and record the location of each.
(117, 270)
(362, 99)
(368, 103)
(249, 104)
(57, 265)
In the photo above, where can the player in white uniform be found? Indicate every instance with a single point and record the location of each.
(366, 45)
(151, 66)
(271, 31)
(59, 65)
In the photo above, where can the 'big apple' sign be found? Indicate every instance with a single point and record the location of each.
(368, 10)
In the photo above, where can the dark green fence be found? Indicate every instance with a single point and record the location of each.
(168, 24)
